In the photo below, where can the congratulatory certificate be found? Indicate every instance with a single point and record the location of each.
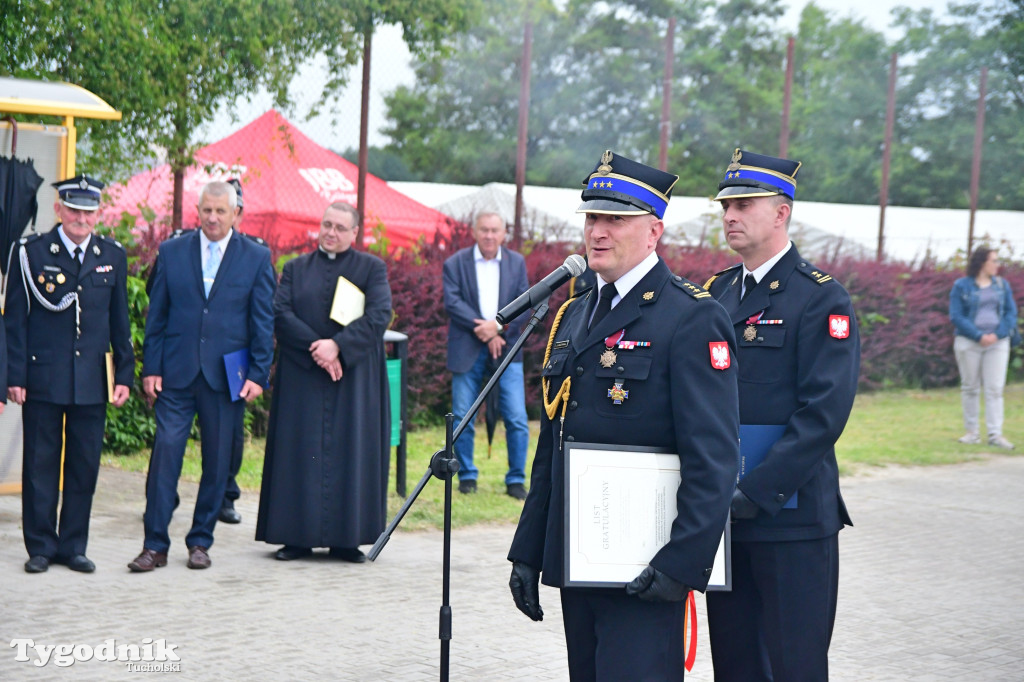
(621, 505)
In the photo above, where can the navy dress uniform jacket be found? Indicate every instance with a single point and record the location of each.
(188, 333)
(45, 354)
(462, 303)
(797, 373)
(677, 400)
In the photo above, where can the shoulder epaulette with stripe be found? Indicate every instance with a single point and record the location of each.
(707, 284)
(254, 238)
(814, 273)
(690, 288)
(111, 240)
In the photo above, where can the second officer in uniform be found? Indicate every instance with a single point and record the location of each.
(799, 358)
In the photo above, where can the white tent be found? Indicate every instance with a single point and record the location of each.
(819, 229)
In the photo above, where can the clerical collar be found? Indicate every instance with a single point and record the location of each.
(330, 254)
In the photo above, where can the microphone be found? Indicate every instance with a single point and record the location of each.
(573, 266)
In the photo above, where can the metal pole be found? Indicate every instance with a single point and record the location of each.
(524, 121)
(364, 125)
(666, 94)
(979, 133)
(787, 95)
(890, 120)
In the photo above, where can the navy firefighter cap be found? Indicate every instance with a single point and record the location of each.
(757, 175)
(621, 186)
(237, 184)
(81, 192)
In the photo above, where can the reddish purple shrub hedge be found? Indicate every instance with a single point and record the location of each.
(903, 313)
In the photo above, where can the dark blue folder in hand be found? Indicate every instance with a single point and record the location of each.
(237, 366)
(755, 442)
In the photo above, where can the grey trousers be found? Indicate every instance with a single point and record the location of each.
(982, 368)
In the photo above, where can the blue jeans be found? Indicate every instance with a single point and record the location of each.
(512, 402)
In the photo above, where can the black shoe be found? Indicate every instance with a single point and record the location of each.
(350, 554)
(228, 513)
(37, 564)
(516, 490)
(467, 486)
(81, 563)
(291, 552)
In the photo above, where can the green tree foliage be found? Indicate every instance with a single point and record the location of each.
(596, 78)
(168, 65)
(838, 115)
(939, 97)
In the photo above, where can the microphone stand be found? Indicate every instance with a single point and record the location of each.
(443, 465)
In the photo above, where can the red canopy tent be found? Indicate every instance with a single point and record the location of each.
(287, 182)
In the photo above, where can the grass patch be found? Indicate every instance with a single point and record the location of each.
(489, 505)
(916, 428)
(900, 427)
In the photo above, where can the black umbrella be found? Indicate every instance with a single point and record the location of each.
(18, 201)
(491, 404)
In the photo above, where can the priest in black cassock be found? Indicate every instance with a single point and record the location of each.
(325, 472)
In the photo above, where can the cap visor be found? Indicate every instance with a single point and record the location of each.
(742, 191)
(609, 207)
(81, 204)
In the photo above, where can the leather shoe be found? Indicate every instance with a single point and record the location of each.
(350, 554)
(516, 490)
(228, 514)
(81, 563)
(467, 486)
(37, 564)
(198, 557)
(147, 561)
(291, 552)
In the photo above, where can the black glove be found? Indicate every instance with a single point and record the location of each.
(653, 585)
(523, 583)
(742, 506)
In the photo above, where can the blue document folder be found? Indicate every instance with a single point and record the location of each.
(755, 442)
(237, 366)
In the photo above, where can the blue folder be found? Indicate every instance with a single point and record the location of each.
(237, 366)
(755, 442)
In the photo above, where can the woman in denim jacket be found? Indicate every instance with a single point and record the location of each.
(984, 314)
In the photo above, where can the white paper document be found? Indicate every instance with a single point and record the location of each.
(621, 503)
(349, 302)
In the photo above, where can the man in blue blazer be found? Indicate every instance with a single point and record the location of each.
(212, 296)
(479, 281)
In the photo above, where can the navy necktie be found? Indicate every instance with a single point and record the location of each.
(604, 304)
(748, 284)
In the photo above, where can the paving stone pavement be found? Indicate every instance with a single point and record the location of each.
(931, 589)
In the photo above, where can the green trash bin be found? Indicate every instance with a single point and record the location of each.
(395, 387)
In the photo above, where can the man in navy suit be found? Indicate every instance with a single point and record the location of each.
(212, 295)
(478, 281)
(799, 358)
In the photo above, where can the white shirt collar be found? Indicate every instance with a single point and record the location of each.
(478, 255)
(204, 242)
(70, 245)
(761, 271)
(624, 284)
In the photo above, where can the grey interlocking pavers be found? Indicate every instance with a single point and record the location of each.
(931, 588)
